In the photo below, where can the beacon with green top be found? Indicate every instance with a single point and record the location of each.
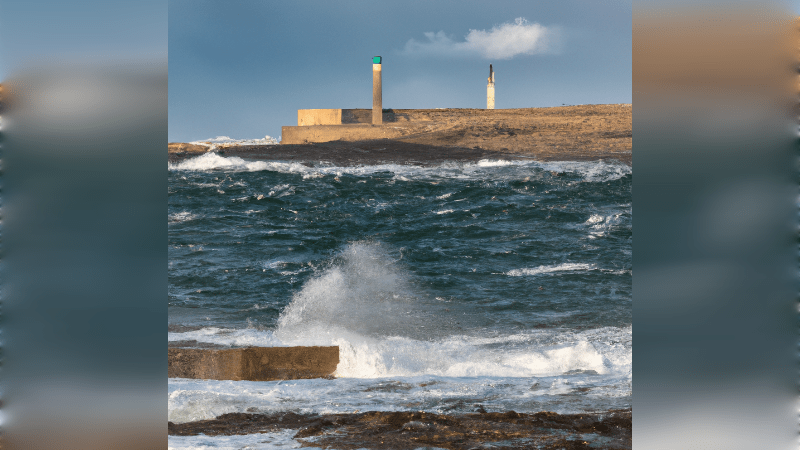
(377, 101)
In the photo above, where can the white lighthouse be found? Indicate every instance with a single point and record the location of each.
(490, 90)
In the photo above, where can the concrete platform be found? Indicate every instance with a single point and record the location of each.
(253, 363)
(310, 117)
(326, 125)
(350, 132)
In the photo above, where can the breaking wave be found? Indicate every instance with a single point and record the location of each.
(591, 171)
(566, 267)
(366, 304)
(228, 141)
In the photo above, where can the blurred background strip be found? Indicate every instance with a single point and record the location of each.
(83, 224)
(715, 213)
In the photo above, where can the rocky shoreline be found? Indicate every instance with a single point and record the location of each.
(406, 430)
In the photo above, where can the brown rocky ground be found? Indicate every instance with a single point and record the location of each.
(583, 132)
(182, 147)
(406, 430)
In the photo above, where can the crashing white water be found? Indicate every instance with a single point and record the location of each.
(591, 171)
(401, 350)
(225, 141)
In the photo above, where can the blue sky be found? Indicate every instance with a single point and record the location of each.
(243, 68)
(36, 32)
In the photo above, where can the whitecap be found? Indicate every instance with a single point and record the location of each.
(226, 141)
(499, 170)
(565, 267)
(183, 216)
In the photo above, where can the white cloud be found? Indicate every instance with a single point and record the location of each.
(501, 42)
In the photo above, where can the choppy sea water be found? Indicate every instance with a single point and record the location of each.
(502, 285)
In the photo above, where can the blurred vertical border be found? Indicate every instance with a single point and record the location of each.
(84, 194)
(715, 254)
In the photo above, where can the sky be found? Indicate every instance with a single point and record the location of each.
(243, 68)
(35, 33)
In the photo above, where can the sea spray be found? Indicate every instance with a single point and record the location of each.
(364, 303)
(363, 292)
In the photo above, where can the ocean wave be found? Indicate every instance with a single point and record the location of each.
(183, 216)
(255, 441)
(396, 373)
(225, 141)
(565, 267)
(536, 353)
(599, 224)
(591, 171)
(598, 221)
(229, 337)
(213, 161)
(461, 356)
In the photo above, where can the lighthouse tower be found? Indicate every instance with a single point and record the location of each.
(490, 90)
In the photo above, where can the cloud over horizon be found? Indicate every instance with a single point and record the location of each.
(501, 42)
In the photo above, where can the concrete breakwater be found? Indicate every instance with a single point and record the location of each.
(253, 363)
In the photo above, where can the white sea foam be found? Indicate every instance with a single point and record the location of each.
(183, 216)
(213, 161)
(225, 141)
(229, 337)
(598, 221)
(592, 171)
(533, 374)
(257, 441)
(281, 190)
(461, 356)
(274, 264)
(599, 224)
(594, 219)
(494, 163)
(565, 267)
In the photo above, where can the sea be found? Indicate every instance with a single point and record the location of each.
(455, 287)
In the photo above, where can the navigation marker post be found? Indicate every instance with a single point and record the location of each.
(377, 100)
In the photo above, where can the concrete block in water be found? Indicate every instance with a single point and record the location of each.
(253, 363)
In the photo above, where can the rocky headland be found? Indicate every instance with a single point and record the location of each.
(574, 133)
